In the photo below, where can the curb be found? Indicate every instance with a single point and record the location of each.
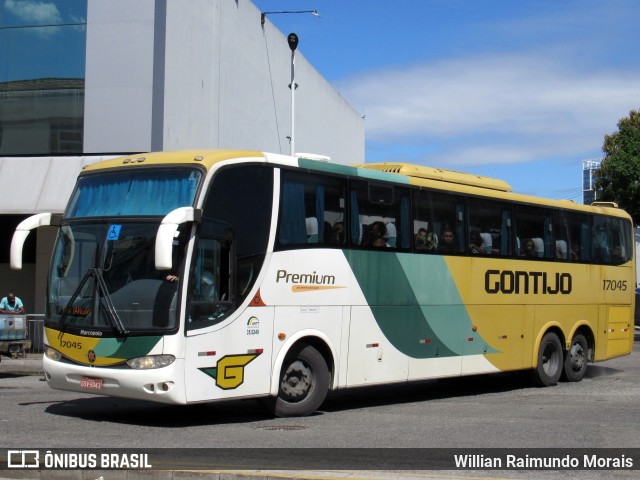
(31, 365)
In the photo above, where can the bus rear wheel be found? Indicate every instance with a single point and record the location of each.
(303, 386)
(575, 362)
(550, 361)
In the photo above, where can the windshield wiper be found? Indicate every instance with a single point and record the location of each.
(102, 291)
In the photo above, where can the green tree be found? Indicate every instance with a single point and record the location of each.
(619, 177)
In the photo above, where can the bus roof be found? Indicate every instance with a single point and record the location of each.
(441, 174)
(410, 174)
(199, 157)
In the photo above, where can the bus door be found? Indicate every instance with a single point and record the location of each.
(228, 350)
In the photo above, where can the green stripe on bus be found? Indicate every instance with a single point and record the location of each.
(129, 347)
(426, 322)
(352, 171)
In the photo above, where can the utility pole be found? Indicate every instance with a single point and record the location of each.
(292, 39)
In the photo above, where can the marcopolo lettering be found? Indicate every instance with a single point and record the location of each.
(305, 278)
(518, 281)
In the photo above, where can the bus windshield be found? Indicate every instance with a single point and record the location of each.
(103, 278)
(134, 193)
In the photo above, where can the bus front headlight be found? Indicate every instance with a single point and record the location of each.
(52, 354)
(151, 361)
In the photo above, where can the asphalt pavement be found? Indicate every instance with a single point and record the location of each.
(32, 365)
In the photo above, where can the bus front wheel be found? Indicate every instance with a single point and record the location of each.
(303, 384)
(575, 362)
(550, 361)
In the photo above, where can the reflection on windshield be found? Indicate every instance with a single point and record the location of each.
(210, 289)
(103, 277)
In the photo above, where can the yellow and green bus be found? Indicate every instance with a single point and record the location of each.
(199, 276)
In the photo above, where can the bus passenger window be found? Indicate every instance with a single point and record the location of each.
(438, 225)
(572, 231)
(489, 225)
(610, 243)
(534, 225)
(310, 209)
(380, 216)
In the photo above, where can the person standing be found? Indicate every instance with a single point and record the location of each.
(11, 304)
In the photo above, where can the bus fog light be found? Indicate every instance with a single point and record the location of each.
(165, 386)
(53, 354)
(151, 361)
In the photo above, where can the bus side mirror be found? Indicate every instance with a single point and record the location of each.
(22, 232)
(167, 231)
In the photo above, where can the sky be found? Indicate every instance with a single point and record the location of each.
(518, 90)
(53, 51)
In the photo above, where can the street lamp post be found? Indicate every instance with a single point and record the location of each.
(292, 40)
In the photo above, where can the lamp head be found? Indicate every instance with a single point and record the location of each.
(292, 40)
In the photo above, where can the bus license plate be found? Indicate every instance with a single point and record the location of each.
(91, 383)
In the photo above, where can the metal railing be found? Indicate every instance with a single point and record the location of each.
(35, 321)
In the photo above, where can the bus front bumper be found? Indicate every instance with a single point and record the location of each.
(163, 385)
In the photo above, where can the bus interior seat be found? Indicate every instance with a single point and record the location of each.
(487, 240)
(539, 246)
(392, 235)
(312, 229)
(561, 249)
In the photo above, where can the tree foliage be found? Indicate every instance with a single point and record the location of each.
(619, 177)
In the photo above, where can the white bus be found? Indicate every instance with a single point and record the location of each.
(199, 276)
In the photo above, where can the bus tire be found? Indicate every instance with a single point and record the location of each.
(303, 383)
(550, 361)
(576, 359)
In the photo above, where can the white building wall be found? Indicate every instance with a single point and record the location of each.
(119, 75)
(206, 76)
(191, 81)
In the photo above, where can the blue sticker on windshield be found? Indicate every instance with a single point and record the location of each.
(114, 232)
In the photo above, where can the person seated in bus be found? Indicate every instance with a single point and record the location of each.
(528, 249)
(576, 252)
(425, 241)
(447, 242)
(476, 243)
(337, 234)
(377, 231)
